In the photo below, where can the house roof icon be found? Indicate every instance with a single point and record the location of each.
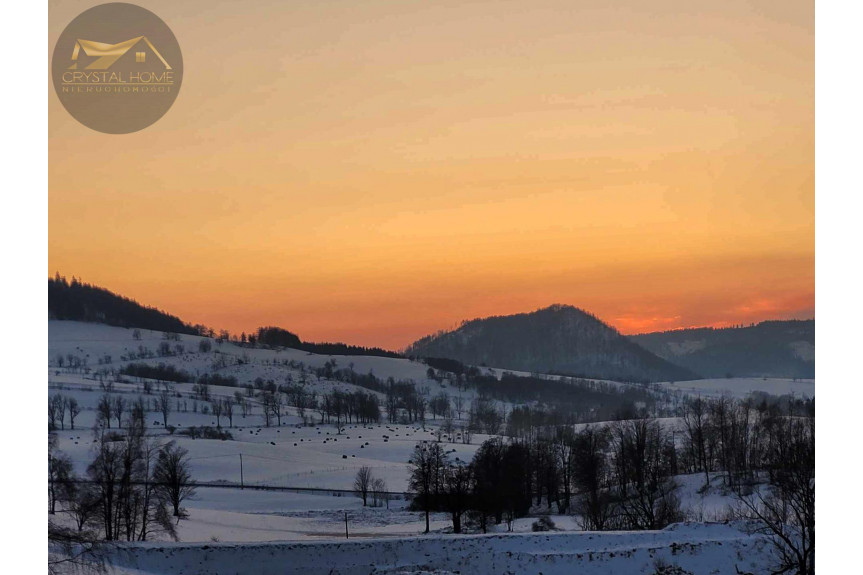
(107, 54)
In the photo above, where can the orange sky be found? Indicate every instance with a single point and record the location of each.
(375, 171)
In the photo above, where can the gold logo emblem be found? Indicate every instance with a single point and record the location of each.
(107, 54)
(117, 68)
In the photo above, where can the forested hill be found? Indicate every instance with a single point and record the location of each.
(277, 337)
(768, 349)
(79, 301)
(557, 339)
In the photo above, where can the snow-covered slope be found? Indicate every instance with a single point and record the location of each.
(297, 531)
(693, 548)
(94, 341)
(741, 387)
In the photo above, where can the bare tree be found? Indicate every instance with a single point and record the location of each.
(173, 477)
(466, 434)
(228, 410)
(70, 550)
(216, 405)
(363, 483)
(427, 464)
(458, 404)
(241, 401)
(52, 412)
(106, 471)
(163, 405)
(266, 408)
(62, 403)
(448, 428)
(643, 475)
(379, 492)
(439, 405)
(103, 411)
(59, 475)
(74, 410)
(153, 515)
(138, 416)
(458, 481)
(785, 510)
(118, 406)
(590, 477)
(83, 505)
(276, 405)
(695, 420)
(201, 391)
(563, 453)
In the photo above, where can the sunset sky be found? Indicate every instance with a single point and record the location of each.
(371, 172)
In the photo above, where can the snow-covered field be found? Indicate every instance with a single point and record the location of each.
(291, 455)
(93, 340)
(229, 530)
(694, 548)
(740, 387)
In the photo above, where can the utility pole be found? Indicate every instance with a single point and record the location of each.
(241, 472)
(346, 525)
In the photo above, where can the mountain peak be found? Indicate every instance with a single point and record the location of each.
(555, 339)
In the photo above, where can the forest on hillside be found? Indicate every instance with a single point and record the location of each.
(767, 349)
(558, 339)
(77, 301)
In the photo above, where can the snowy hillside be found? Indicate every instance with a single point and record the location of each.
(741, 387)
(94, 340)
(687, 548)
(263, 485)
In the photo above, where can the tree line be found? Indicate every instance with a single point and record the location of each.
(276, 337)
(133, 490)
(78, 301)
(617, 476)
(621, 475)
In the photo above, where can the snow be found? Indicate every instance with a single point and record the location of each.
(741, 387)
(247, 515)
(302, 531)
(93, 340)
(696, 548)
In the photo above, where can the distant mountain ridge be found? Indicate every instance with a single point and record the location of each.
(74, 300)
(78, 301)
(557, 339)
(769, 349)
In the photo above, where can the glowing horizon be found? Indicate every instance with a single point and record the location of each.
(626, 324)
(375, 173)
